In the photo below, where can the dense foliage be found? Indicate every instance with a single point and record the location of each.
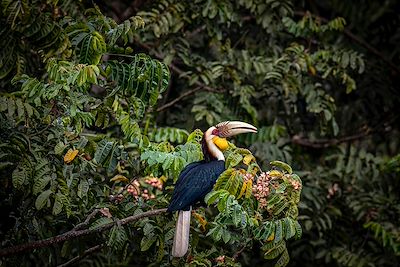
(99, 110)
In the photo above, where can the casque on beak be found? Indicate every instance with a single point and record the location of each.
(231, 128)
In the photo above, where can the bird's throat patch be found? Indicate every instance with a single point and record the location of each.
(221, 143)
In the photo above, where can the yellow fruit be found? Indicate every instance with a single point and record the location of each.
(70, 155)
(221, 143)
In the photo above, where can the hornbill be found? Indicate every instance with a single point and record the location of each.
(198, 178)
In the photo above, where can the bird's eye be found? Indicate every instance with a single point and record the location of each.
(215, 132)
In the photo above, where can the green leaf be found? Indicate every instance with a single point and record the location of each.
(66, 249)
(42, 199)
(280, 207)
(82, 143)
(91, 50)
(345, 59)
(103, 150)
(298, 230)
(216, 232)
(290, 227)
(222, 202)
(100, 222)
(148, 229)
(233, 160)
(59, 148)
(278, 231)
(58, 203)
(276, 250)
(269, 230)
(83, 188)
(40, 184)
(283, 259)
(161, 250)
(230, 180)
(19, 177)
(282, 165)
(147, 241)
(117, 237)
(116, 152)
(226, 237)
(211, 197)
(4, 165)
(237, 215)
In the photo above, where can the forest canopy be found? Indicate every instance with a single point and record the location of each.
(103, 104)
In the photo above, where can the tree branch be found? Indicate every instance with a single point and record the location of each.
(83, 224)
(325, 143)
(237, 254)
(79, 257)
(171, 103)
(381, 127)
(132, 9)
(356, 39)
(195, 32)
(178, 71)
(75, 233)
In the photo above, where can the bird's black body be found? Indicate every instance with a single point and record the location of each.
(194, 182)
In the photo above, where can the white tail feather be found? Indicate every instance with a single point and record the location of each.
(182, 230)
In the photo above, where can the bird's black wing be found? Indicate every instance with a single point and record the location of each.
(183, 174)
(194, 182)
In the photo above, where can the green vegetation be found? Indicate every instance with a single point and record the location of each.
(101, 106)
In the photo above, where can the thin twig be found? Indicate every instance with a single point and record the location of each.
(83, 255)
(195, 32)
(237, 254)
(203, 86)
(74, 234)
(171, 103)
(240, 39)
(131, 9)
(381, 127)
(83, 224)
(325, 143)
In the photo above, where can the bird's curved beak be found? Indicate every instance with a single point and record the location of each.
(231, 128)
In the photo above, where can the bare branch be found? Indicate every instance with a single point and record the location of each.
(237, 254)
(325, 143)
(171, 103)
(132, 9)
(381, 127)
(195, 32)
(75, 234)
(87, 220)
(83, 255)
